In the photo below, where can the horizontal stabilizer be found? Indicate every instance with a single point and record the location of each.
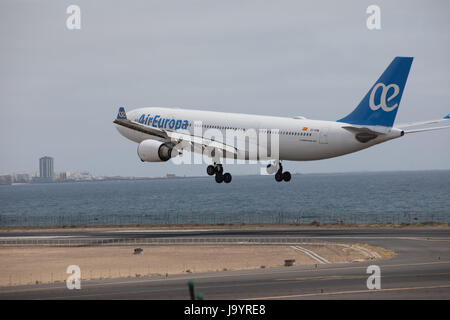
(421, 123)
(426, 129)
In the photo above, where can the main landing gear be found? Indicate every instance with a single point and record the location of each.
(280, 175)
(217, 170)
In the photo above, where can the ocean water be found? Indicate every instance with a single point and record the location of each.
(382, 197)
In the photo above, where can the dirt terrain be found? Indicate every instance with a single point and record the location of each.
(44, 264)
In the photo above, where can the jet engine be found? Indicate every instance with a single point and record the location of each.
(155, 151)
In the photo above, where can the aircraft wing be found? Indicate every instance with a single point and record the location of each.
(141, 128)
(187, 141)
(181, 141)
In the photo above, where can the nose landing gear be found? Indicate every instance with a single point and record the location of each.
(217, 169)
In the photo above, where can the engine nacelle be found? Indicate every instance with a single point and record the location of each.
(155, 151)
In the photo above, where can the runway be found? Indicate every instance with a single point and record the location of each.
(420, 270)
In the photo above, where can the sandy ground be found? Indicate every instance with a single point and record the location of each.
(44, 264)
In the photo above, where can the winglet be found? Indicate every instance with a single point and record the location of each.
(447, 116)
(122, 114)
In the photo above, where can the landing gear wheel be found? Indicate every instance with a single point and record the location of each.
(219, 178)
(219, 169)
(286, 176)
(210, 170)
(227, 177)
(279, 176)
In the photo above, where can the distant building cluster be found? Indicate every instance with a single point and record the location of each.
(47, 175)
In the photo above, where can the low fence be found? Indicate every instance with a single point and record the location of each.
(218, 218)
(156, 241)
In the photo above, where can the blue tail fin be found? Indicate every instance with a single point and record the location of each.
(380, 105)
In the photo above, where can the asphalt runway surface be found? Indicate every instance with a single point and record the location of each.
(420, 269)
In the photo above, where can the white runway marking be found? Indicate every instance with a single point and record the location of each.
(312, 254)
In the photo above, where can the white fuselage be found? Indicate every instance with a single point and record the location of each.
(300, 139)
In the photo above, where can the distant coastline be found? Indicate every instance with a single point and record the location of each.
(86, 177)
(9, 179)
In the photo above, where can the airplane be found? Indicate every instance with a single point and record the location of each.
(164, 133)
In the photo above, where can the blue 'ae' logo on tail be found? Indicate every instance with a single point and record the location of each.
(380, 105)
(383, 104)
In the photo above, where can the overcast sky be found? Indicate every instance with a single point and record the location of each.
(60, 89)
